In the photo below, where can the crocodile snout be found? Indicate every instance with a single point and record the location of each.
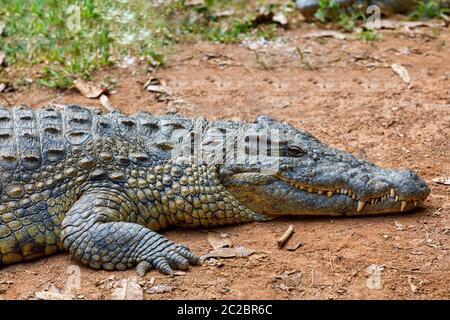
(409, 186)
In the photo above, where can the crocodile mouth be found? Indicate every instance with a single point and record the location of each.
(277, 195)
(390, 200)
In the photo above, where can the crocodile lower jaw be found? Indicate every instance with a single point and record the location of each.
(391, 197)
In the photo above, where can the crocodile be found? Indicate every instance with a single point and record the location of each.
(102, 185)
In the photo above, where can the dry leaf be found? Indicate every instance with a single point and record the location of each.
(53, 293)
(104, 100)
(2, 27)
(229, 253)
(326, 33)
(442, 180)
(280, 18)
(225, 13)
(127, 289)
(158, 89)
(6, 87)
(401, 72)
(88, 90)
(159, 288)
(399, 226)
(294, 247)
(390, 24)
(219, 240)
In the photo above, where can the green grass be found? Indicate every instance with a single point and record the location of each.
(45, 32)
(347, 18)
(431, 9)
(369, 35)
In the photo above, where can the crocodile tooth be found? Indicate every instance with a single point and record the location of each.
(353, 196)
(349, 192)
(310, 190)
(396, 198)
(330, 194)
(319, 191)
(403, 206)
(344, 191)
(415, 203)
(361, 205)
(392, 193)
(372, 201)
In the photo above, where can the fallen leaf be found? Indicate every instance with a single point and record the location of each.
(289, 280)
(6, 87)
(280, 18)
(219, 240)
(53, 293)
(229, 253)
(295, 246)
(326, 34)
(442, 180)
(390, 24)
(104, 100)
(399, 226)
(127, 289)
(89, 90)
(155, 85)
(159, 288)
(158, 89)
(401, 72)
(225, 13)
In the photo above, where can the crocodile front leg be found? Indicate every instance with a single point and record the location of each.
(98, 232)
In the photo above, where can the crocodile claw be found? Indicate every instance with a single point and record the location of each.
(175, 257)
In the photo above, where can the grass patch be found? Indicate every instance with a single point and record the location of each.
(347, 18)
(432, 9)
(70, 39)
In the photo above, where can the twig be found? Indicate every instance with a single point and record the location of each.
(261, 62)
(285, 237)
(406, 270)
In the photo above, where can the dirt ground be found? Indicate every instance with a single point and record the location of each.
(346, 94)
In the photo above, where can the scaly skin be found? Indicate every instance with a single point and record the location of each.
(101, 185)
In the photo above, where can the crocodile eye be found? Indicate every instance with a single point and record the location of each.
(295, 151)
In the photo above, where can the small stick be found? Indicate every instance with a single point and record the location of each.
(285, 237)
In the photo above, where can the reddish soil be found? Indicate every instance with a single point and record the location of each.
(351, 100)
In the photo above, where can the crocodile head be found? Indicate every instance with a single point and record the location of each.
(302, 176)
